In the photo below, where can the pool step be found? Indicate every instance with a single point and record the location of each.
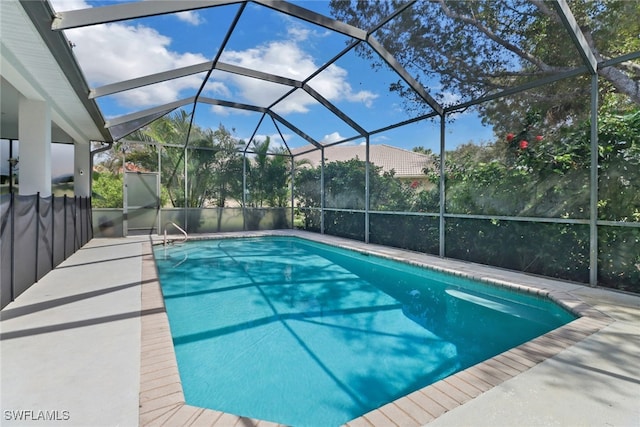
(506, 306)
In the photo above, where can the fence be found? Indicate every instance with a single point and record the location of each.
(112, 223)
(552, 247)
(36, 234)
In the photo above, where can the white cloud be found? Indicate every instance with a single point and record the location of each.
(287, 59)
(332, 137)
(297, 102)
(219, 110)
(190, 17)
(449, 98)
(332, 84)
(335, 137)
(120, 51)
(298, 33)
(217, 88)
(364, 96)
(64, 5)
(282, 58)
(114, 52)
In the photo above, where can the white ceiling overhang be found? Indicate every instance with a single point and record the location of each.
(30, 68)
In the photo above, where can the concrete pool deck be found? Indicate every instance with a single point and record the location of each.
(89, 345)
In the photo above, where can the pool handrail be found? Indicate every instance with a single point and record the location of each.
(186, 236)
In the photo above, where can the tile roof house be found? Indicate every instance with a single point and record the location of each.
(408, 165)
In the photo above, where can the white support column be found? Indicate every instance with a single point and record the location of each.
(82, 169)
(34, 134)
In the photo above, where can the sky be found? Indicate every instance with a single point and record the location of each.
(61, 158)
(263, 40)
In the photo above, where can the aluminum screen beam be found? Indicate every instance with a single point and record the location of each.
(392, 16)
(255, 131)
(314, 18)
(572, 27)
(229, 104)
(332, 61)
(593, 185)
(123, 11)
(624, 58)
(399, 69)
(310, 150)
(148, 112)
(442, 208)
(328, 105)
(284, 140)
(247, 72)
(342, 141)
(405, 122)
(367, 188)
(521, 88)
(149, 79)
(295, 129)
(127, 128)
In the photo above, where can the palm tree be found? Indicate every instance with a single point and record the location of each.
(268, 181)
(268, 175)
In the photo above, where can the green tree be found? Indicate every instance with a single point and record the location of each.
(228, 167)
(345, 192)
(268, 182)
(540, 163)
(549, 177)
(268, 175)
(307, 194)
(217, 167)
(106, 189)
(474, 48)
(345, 187)
(168, 130)
(214, 167)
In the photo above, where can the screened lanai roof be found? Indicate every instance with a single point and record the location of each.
(288, 70)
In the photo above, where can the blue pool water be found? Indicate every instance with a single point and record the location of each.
(305, 334)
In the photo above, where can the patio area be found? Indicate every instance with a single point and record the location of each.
(74, 352)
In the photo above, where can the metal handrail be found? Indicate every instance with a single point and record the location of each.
(186, 236)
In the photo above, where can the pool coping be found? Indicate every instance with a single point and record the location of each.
(162, 399)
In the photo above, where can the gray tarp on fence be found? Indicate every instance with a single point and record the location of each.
(24, 246)
(45, 237)
(5, 251)
(70, 229)
(59, 232)
(36, 234)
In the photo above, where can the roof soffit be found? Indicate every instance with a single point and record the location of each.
(32, 69)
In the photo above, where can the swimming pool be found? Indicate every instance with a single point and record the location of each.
(301, 333)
